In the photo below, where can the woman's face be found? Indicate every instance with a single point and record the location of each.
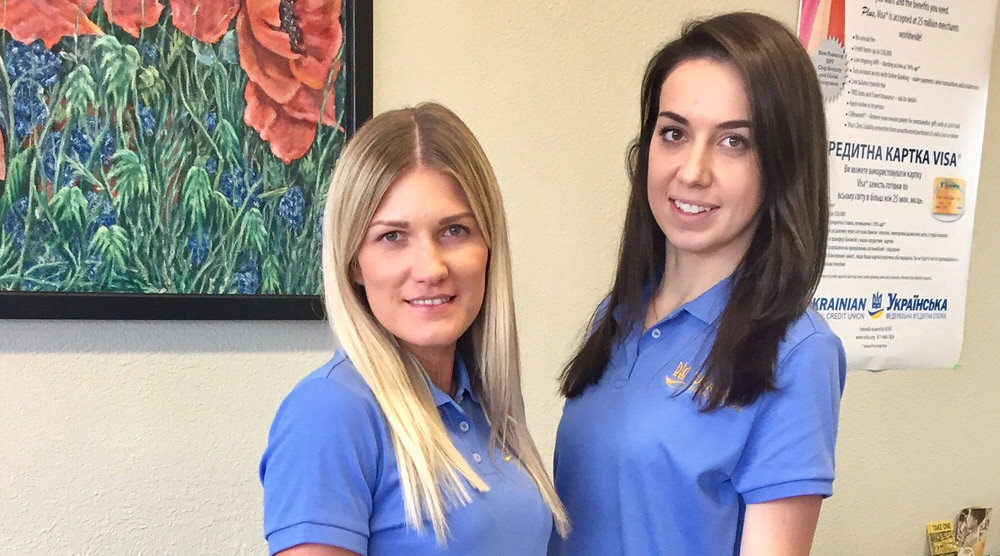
(704, 181)
(422, 263)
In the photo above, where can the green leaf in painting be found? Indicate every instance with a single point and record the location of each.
(270, 276)
(222, 211)
(196, 197)
(253, 232)
(118, 65)
(16, 185)
(131, 180)
(276, 192)
(228, 142)
(112, 245)
(69, 207)
(79, 92)
(149, 85)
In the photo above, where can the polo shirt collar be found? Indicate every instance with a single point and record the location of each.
(707, 307)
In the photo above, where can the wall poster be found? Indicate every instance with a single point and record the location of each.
(905, 84)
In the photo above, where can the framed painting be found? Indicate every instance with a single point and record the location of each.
(169, 159)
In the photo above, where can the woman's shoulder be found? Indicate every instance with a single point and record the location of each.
(335, 392)
(810, 345)
(326, 445)
(810, 324)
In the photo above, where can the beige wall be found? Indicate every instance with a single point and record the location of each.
(138, 436)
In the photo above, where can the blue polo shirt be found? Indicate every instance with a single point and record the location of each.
(642, 471)
(330, 476)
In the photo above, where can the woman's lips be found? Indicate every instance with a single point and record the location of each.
(431, 301)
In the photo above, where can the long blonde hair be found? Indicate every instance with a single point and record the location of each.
(431, 469)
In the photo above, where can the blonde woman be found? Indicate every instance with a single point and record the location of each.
(412, 439)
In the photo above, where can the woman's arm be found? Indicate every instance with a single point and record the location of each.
(782, 527)
(320, 468)
(316, 550)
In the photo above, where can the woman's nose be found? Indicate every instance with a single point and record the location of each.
(696, 168)
(428, 264)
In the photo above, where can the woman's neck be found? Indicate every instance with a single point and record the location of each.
(439, 364)
(685, 277)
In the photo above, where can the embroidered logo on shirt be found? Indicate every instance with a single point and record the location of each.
(679, 376)
(679, 379)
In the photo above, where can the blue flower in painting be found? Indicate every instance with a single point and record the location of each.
(31, 62)
(147, 120)
(212, 166)
(31, 69)
(41, 228)
(211, 120)
(100, 212)
(290, 208)
(82, 139)
(253, 188)
(237, 185)
(319, 228)
(50, 160)
(227, 184)
(13, 222)
(148, 52)
(248, 278)
(232, 185)
(198, 244)
(30, 109)
(50, 154)
(20, 207)
(80, 143)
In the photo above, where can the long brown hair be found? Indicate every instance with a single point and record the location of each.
(775, 280)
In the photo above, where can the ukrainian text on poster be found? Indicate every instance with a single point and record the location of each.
(905, 89)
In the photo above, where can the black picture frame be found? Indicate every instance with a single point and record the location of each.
(130, 306)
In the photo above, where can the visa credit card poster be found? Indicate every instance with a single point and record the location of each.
(905, 86)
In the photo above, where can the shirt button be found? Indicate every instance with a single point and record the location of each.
(477, 457)
(655, 333)
(463, 426)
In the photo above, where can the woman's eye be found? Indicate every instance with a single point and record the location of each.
(671, 134)
(455, 230)
(735, 142)
(389, 236)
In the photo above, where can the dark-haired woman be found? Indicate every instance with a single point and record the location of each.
(702, 406)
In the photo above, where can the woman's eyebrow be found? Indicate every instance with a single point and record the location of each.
(455, 218)
(404, 224)
(389, 223)
(674, 116)
(734, 124)
(729, 124)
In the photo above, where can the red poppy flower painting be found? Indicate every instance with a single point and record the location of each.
(171, 146)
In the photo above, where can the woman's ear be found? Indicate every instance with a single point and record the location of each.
(356, 276)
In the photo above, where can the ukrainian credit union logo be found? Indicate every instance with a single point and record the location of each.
(889, 305)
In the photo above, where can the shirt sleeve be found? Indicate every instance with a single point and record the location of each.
(320, 468)
(790, 447)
